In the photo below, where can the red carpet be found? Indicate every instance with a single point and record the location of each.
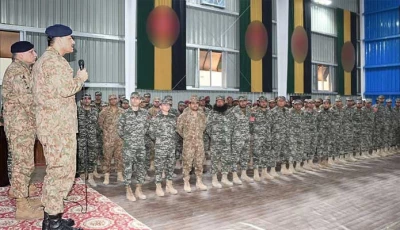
(102, 212)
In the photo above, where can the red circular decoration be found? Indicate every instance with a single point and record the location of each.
(348, 56)
(163, 27)
(256, 40)
(299, 44)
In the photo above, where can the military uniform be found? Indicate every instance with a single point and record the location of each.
(324, 127)
(279, 131)
(54, 90)
(348, 129)
(310, 134)
(19, 125)
(296, 139)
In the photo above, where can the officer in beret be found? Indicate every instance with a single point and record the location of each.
(56, 125)
(19, 125)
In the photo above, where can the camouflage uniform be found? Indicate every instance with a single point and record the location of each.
(324, 127)
(337, 118)
(132, 128)
(112, 143)
(19, 125)
(280, 135)
(359, 132)
(88, 144)
(389, 125)
(380, 132)
(368, 127)
(153, 111)
(163, 132)
(191, 128)
(310, 134)
(261, 129)
(348, 129)
(179, 145)
(296, 137)
(54, 90)
(240, 119)
(219, 129)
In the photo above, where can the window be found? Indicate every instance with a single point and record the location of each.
(210, 66)
(323, 77)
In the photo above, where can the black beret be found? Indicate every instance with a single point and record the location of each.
(21, 46)
(58, 30)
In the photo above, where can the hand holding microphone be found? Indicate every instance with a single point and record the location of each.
(82, 71)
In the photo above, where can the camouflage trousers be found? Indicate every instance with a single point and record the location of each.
(379, 136)
(280, 148)
(193, 155)
(164, 160)
(20, 160)
(134, 156)
(206, 144)
(240, 154)
(100, 146)
(112, 149)
(397, 136)
(348, 141)
(149, 145)
(60, 153)
(220, 154)
(309, 145)
(296, 148)
(324, 146)
(179, 148)
(87, 155)
(262, 154)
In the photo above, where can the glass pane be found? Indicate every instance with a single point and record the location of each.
(323, 19)
(204, 78)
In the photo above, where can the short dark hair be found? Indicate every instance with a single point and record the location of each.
(50, 41)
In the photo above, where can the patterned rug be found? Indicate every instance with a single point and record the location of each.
(102, 213)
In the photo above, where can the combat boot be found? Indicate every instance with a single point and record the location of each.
(91, 180)
(95, 173)
(200, 185)
(169, 188)
(298, 168)
(225, 180)
(273, 172)
(215, 182)
(350, 157)
(25, 211)
(291, 169)
(56, 222)
(106, 178)
(306, 166)
(236, 179)
(284, 170)
(244, 177)
(186, 185)
(159, 190)
(46, 221)
(129, 194)
(265, 175)
(330, 161)
(120, 177)
(256, 175)
(32, 190)
(138, 192)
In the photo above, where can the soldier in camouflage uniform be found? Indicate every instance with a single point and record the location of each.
(88, 144)
(310, 134)
(389, 127)
(153, 111)
(179, 142)
(133, 126)
(240, 116)
(397, 124)
(19, 127)
(191, 126)
(125, 104)
(261, 129)
(98, 103)
(318, 103)
(172, 110)
(368, 125)
(325, 137)
(337, 117)
(359, 132)
(380, 132)
(121, 98)
(296, 138)
(146, 101)
(219, 129)
(112, 143)
(54, 90)
(163, 132)
(271, 104)
(206, 137)
(348, 130)
(280, 135)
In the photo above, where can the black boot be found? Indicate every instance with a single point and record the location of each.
(55, 222)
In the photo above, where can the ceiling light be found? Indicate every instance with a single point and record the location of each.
(323, 2)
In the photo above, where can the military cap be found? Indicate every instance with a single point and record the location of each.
(262, 98)
(147, 95)
(359, 102)
(249, 101)
(219, 97)
(187, 102)
(359, 98)
(194, 99)
(296, 102)
(207, 98)
(112, 96)
(166, 101)
(121, 96)
(125, 101)
(229, 97)
(397, 99)
(389, 100)
(58, 30)
(236, 99)
(201, 98)
(135, 95)
(21, 46)
(282, 98)
(337, 99)
(181, 103)
(168, 97)
(311, 101)
(306, 100)
(86, 95)
(98, 93)
(156, 99)
(349, 99)
(318, 99)
(242, 98)
(368, 100)
(271, 100)
(381, 97)
(326, 100)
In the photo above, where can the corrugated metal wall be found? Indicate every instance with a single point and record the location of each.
(323, 48)
(382, 46)
(91, 16)
(352, 5)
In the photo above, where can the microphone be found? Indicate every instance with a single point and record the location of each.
(81, 64)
